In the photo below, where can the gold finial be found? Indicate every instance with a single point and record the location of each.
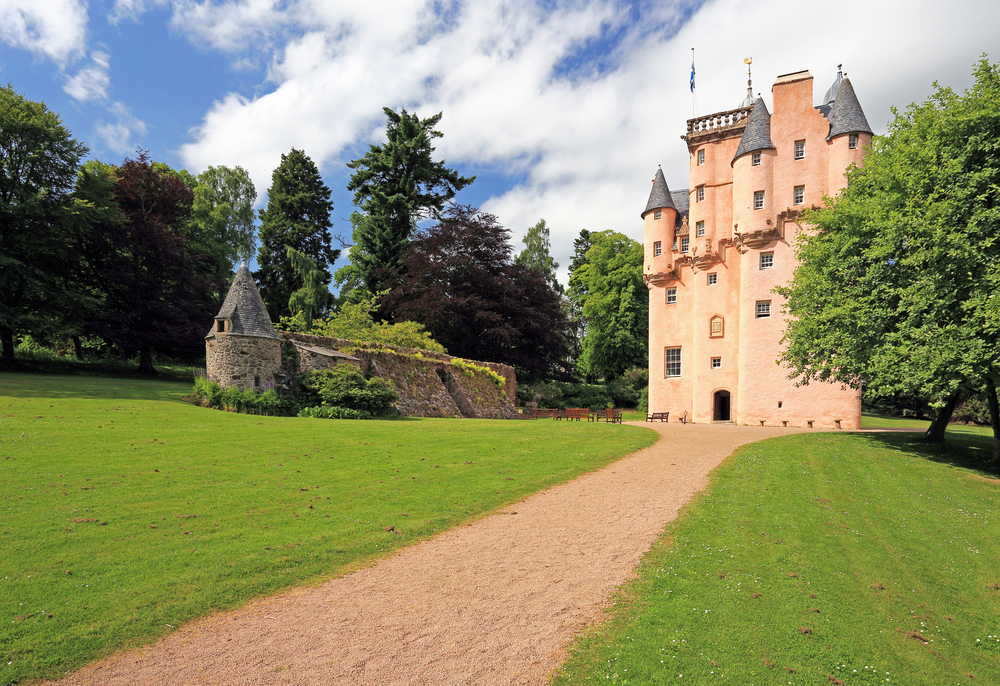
(747, 60)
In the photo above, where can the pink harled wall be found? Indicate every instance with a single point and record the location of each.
(736, 235)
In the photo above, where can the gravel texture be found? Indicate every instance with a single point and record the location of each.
(493, 602)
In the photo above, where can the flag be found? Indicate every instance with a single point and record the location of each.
(692, 73)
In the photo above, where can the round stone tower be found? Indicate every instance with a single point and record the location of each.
(242, 348)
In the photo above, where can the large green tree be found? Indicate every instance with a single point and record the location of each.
(297, 216)
(38, 165)
(900, 287)
(223, 209)
(536, 255)
(616, 306)
(395, 185)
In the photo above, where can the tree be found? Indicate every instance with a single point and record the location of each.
(536, 255)
(297, 216)
(309, 299)
(460, 282)
(577, 292)
(154, 292)
(38, 164)
(615, 306)
(898, 288)
(223, 208)
(395, 185)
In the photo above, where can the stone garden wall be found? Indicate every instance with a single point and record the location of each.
(429, 384)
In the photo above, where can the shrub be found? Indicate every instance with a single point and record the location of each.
(974, 410)
(346, 386)
(251, 401)
(333, 412)
(470, 370)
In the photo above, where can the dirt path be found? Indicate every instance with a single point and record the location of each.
(495, 602)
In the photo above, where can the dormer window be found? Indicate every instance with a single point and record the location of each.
(220, 325)
(755, 159)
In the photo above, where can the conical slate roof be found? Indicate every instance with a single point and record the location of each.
(834, 90)
(244, 307)
(846, 115)
(757, 134)
(659, 197)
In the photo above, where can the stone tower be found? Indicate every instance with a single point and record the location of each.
(242, 348)
(715, 322)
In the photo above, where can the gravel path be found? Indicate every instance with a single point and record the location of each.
(494, 602)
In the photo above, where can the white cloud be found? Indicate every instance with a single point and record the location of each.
(587, 143)
(91, 83)
(121, 135)
(56, 29)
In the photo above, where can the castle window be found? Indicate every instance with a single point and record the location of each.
(657, 249)
(685, 241)
(672, 362)
(699, 229)
(766, 260)
(758, 200)
(716, 363)
(763, 309)
(755, 159)
(799, 195)
(713, 279)
(671, 296)
(852, 141)
(220, 325)
(657, 214)
(701, 157)
(800, 150)
(701, 193)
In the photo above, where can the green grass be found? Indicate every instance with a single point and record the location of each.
(877, 421)
(818, 559)
(126, 512)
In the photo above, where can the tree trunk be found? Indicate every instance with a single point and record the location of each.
(994, 404)
(935, 432)
(77, 347)
(7, 341)
(146, 360)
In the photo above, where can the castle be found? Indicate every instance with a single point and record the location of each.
(715, 252)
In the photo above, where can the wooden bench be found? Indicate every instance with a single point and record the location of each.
(658, 417)
(612, 416)
(577, 413)
(544, 414)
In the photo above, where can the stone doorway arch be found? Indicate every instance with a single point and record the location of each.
(721, 406)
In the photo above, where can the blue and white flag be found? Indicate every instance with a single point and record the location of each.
(692, 71)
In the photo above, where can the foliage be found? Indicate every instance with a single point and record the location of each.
(628, 390)
(154, 290)
(334, 412)
(313, 295)
(615, 303)
(223, 208)
(354, 322)
(395, 184)
(460, 282)
(265, 401)
(227, 486)
(470, 370)
(38, 164)
(578, 291)
(536, 255)
(898, 288)
(858, 573)
(297, 216)
(346, 386)
(973, 409)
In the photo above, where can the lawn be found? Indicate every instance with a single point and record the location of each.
(128, 512)
(818, 559)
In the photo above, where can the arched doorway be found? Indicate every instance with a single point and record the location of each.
(720, 412)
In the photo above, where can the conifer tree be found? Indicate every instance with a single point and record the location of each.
(536, 255)
(395, 185)
(297, 216)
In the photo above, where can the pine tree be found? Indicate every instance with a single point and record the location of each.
(297, 216)
(395, 185)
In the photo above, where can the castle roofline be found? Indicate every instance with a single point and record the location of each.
(757, 135)
(244, 308)
(659, 196)
(846, 115)
(792, 78)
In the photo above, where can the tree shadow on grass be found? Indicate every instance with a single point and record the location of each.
(963, 448)
(93, 381)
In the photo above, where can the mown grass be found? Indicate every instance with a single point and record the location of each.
(126, 512)
(818, 559)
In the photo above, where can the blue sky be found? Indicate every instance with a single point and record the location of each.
(562, 109)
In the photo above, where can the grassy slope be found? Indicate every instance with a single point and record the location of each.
(127, 512)
(818, 559)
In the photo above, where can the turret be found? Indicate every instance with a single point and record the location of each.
(659, 218)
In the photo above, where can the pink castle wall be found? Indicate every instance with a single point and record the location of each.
(749, 347)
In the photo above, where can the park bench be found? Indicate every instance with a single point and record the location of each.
(545, 414)
(658, 417)
(609, 415)
(577, 413)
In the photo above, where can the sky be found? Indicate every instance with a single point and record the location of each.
(563, 110)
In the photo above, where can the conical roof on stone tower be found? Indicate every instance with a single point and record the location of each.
(757, 134)
(846, 115)
(659, 197)
(244, 308)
